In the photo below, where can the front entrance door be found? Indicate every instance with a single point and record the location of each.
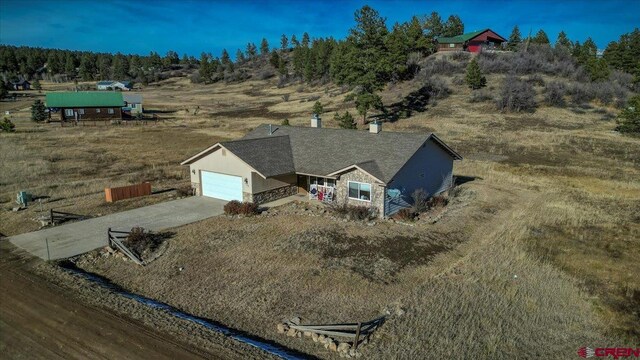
(303, 184)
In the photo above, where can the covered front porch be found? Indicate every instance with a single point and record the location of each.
(318, 188)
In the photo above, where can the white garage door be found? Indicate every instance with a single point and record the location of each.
(220, 186)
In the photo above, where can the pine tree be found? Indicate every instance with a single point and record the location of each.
(224, 58)
(284, 42)
(240, 57)
(37, 85)
(563, 41)
(474, 77)
(264, 47)
(318, 109)
(251, 51)
(514, 39)
(367, 101)
(305, 40)
(541, 38)
(294, 41)
(205, 70)
(38, 111)
(345, 121)
(433, 26)
(629, 118)
(274, 60)
(453, 26)
(282, 68)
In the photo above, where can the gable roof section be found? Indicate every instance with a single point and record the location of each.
(459, 39)
(270, 156)
(84, 99)
(324, 151)
(132, 98)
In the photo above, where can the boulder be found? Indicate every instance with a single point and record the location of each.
(314, 337)
(307, 334)
(333, 346)
(321, 339)
(292, 332)
(282, 328)
(344, 347)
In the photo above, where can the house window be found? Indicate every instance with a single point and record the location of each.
(97, 111)
(68, 112)
(81, 111)
(321, 188)
(110, 110)
(359, 191)
(452, 45)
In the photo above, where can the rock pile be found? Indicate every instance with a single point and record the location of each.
(344, 349)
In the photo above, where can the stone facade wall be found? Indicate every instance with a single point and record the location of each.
(274, 194)
(377, 190)
(196, 188)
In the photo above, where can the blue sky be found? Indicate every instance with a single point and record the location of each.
(190, 26)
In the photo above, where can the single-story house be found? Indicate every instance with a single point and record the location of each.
(473, 42)
(114, 84)
(21, 85)
(372, 168)
(132, 104)
(85, 105)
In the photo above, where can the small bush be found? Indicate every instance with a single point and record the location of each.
(235, 207)
(554, 95)
(266, 74)
(184, 191)
(481, 95)
(536, 80)
(516, 96)
(437, 88)
(141, 242)
(420, 200)
(7, 126)
(437, 202)
(354, 212)
(285, 122)
(285, 97)
(460, 56)
(405, 215)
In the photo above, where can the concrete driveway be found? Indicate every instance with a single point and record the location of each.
(83, 236)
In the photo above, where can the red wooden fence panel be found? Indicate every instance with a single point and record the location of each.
(127, 192)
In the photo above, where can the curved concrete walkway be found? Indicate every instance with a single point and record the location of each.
(83, 236)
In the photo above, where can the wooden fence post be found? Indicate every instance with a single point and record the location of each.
(51, 216)
(109, 237)
(355, 342)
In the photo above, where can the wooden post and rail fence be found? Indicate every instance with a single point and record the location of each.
(115, 242)
(353, 332)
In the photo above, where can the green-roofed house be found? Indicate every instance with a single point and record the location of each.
(474, 42)
(85, 105)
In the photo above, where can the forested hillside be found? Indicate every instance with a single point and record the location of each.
(372, 56)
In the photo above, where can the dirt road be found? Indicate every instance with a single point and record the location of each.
(38, 320)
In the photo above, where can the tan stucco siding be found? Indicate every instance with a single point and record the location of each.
(260, 184)
(228, 164)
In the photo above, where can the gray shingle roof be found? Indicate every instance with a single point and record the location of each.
(132, 98)
(270, 155)
(322, 151)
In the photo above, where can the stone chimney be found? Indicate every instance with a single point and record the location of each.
(375, 127)
(316, 121)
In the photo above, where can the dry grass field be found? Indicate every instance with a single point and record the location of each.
(536, 258)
